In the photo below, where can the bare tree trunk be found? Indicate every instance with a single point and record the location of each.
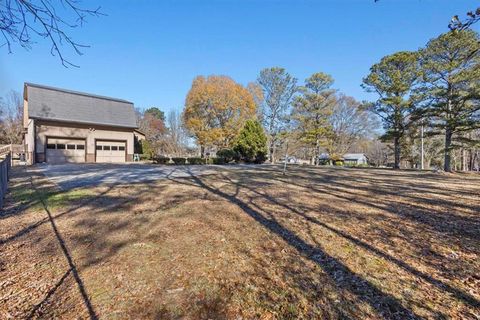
(397, 153)
(448, 150)
(471, 160)
(427, 163)
(202, 151)
(271, 149)
(476, 160)
(463, 158)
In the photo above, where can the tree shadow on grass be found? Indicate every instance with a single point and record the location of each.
(86, 206)
(72, 267)
(459, 294)
(342, 276)
(337, 183)
(45, 220)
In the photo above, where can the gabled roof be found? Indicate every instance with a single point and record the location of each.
(346, 156)
(138, 131)
(50, 103)
(354, 156)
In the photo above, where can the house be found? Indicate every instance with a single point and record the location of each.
(68, 126)
(348, 159)
(355, 159)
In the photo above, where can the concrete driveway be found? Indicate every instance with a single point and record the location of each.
(73, 175)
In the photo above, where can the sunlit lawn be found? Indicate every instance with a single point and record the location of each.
(316, 243)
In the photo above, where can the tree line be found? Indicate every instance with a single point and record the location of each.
(435, 89)
(429, 97)
(433, 92)
(255, 122)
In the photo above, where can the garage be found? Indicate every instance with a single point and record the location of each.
(110, 151)
(63, 150)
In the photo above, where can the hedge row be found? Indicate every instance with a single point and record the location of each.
(192, 161)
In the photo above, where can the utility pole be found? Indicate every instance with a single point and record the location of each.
(421, 151)
(286, 157)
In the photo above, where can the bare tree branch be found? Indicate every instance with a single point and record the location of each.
(472, 17)
(21, 21)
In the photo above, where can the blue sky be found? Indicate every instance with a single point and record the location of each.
(149, 51)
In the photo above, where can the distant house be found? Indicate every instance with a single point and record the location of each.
(355, 159)
(69, 126)
(349, 159)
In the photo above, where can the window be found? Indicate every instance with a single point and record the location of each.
(70, 146)
(80, 147)
(60, 146)
(121, 148)
(114, 148)
(98, 147)
(106, 147)
(51, 146)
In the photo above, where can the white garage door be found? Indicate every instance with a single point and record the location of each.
(110, 151)
(65, 150)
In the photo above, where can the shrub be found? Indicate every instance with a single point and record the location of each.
(145, 157)
(196, 160)
(148, 149)
(179, 161)
(338, 163)
(260, 158)
(161, 160)
(251, 143)
(218, 160)
(227, 154)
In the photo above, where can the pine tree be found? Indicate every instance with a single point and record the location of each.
(393, 80)
(312, 108)
(450, 89)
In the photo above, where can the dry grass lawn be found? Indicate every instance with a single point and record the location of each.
(318, 243)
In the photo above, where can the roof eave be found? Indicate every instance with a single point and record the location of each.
(84, 123)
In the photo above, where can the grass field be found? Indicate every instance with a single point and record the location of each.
(317, 243)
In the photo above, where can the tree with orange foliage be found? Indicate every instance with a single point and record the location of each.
(152, 123)
(216, 109)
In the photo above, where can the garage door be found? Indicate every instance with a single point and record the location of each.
(65, 150)
(110, 151)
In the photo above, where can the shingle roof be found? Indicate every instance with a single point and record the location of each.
(49, 103)
(354, 156)
(346, 156)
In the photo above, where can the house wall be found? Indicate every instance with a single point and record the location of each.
(140, 137)
(25, 112)
(44, 129)
(29, 140)
(29, 135)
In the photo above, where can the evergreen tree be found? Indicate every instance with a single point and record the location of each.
(312, 109)
(156, 113)
(251, 142)
(450, 89)
(393, 80)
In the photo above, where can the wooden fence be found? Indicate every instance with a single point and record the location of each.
(5, 166)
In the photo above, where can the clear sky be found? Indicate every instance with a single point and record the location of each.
(148, 52)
